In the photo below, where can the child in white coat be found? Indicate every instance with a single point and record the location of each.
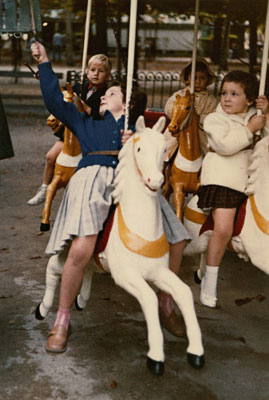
(230, 132)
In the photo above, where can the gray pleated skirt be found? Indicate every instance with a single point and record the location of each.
(174, 230)
(85, 206)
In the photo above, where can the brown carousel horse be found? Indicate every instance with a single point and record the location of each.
(67, 160)
(182, 173)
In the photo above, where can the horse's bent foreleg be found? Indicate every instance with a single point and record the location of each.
(51, 191)
(85, 289)
(167, 281)
(53, 273)
(134, 284)
(200, 273)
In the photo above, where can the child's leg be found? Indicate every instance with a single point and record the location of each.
(79, 255)
(223, 229)
(50, 160)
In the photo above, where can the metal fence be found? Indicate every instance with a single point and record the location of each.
(158, 86)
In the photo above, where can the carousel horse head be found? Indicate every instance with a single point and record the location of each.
(72, 97)
(181, 112)
(141, 159)
(54, 123)
(69, 96)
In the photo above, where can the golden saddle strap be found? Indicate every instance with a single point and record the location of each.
(137, 244)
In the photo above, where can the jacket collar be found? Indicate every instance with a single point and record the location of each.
(238, 118)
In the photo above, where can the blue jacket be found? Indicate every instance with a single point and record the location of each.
(93, 135)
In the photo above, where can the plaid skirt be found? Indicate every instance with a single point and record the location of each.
(215, 196)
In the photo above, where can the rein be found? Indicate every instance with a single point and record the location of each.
(188, 117)
(136, 139)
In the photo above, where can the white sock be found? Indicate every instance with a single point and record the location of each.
(209, 282)
(44, 186)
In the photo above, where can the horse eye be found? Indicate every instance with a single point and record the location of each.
(138, 149)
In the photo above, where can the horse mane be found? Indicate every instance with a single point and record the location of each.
(255, 165)
(121, 169)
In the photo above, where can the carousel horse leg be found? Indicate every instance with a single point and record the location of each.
(51, 191)
(167, 187)
(200, 272)
(53, 274)
(133, 283)
(179, 199)
(85, 290)
(166, 280)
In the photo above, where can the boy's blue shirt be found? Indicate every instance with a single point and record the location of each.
(93, 135)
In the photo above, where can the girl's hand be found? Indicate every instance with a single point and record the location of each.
(39, 52)
(126, 136)
(262, 104)
(256, 123)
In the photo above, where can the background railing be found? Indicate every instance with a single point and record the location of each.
(158, 86)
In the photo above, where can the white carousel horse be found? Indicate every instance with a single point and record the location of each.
(137, 249)
(250, 240)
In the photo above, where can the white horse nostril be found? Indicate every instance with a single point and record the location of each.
(148, 179)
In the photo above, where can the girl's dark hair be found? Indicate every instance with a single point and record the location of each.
(199, 66)
(248, 82)
(138, 101)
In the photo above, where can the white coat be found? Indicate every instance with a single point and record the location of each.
(229, 139)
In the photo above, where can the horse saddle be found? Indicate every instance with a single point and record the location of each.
(103, 235)
(238, 224)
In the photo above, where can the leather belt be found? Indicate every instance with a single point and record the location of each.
(104, 153)
(250, 147)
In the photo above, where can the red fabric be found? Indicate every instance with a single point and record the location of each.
(90, 86)
(152, 116)
(104, 234)
(239, 222)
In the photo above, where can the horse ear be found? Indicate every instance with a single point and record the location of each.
(188, 93)
(160, 124)
(69, 88)
(140, 124)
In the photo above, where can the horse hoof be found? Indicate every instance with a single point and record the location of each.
(38, 314)
(196, 278)
(195, 361)
(44, 227)
(156, 367)
(78, 308)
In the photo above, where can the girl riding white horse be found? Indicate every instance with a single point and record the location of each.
(137, 249)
